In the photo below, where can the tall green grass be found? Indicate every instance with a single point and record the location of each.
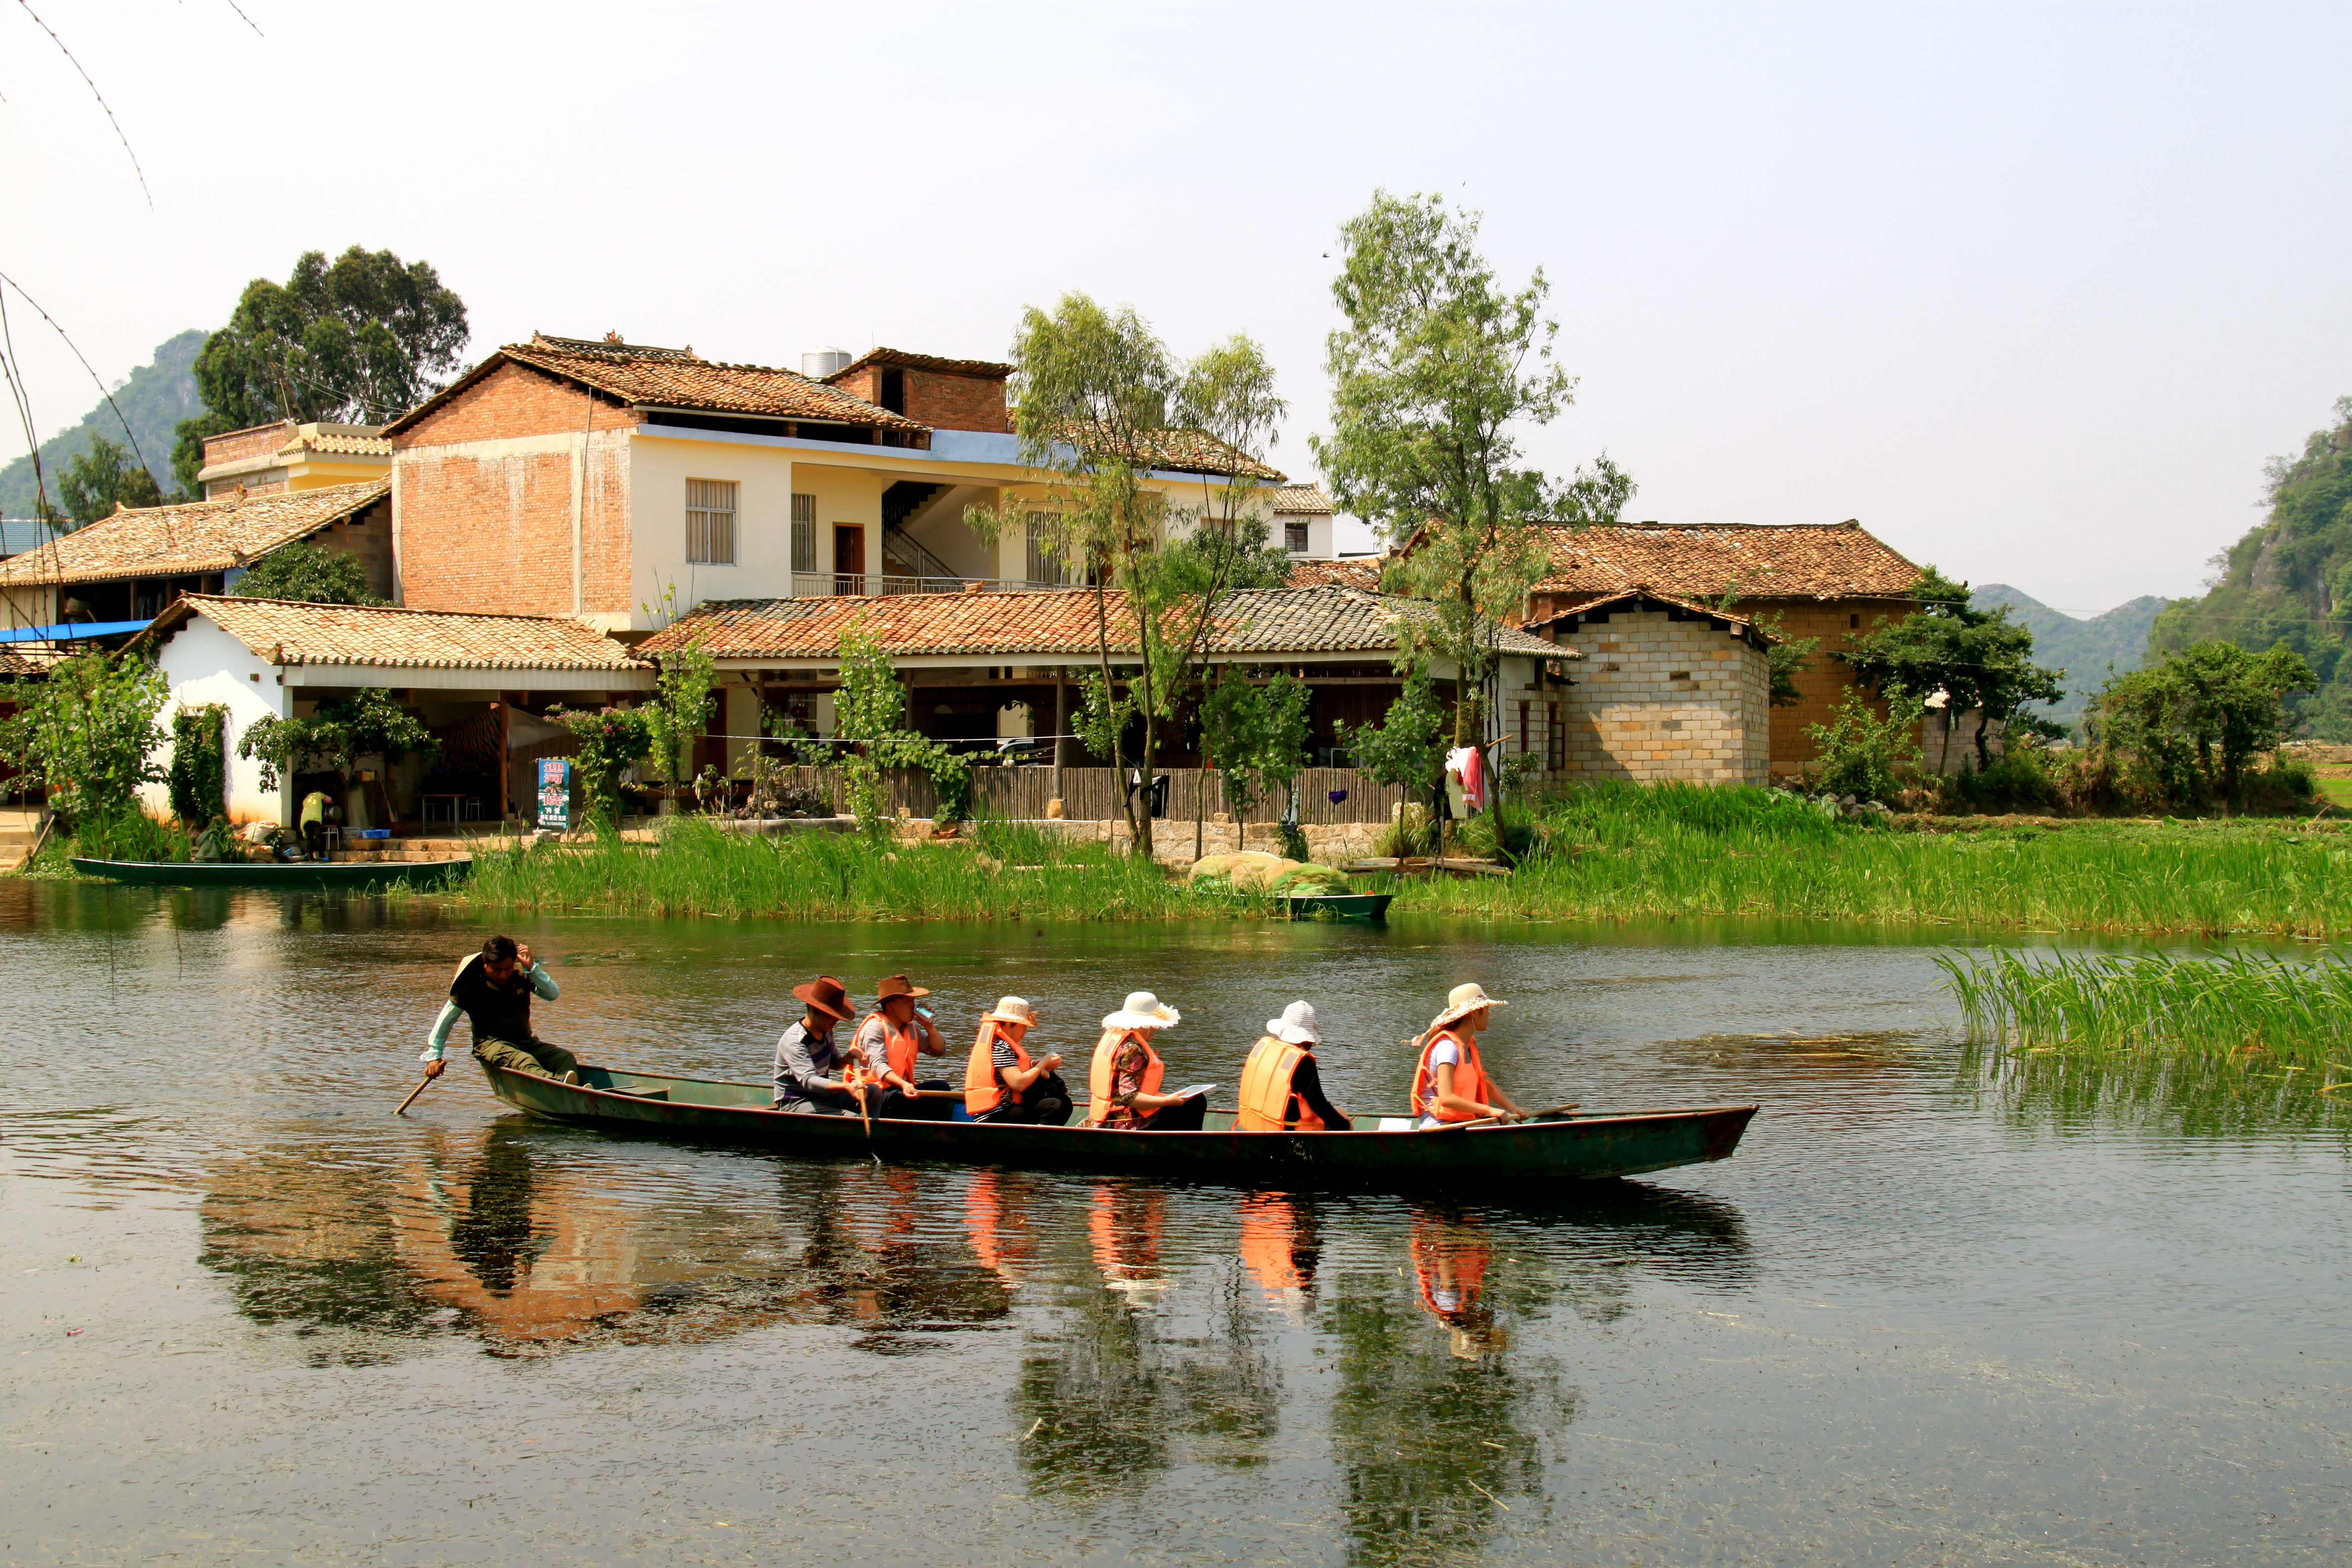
(696, 869)
(2240, 1003)
(1629, 851)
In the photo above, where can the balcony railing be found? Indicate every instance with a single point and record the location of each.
(834, 584)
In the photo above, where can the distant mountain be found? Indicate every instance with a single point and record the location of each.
(154, 399)
(2083, 650)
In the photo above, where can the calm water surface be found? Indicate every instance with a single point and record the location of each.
(1937, 1311)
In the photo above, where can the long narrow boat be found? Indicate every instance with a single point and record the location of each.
(1579, 1146)
(1346, 906)
(297, 876)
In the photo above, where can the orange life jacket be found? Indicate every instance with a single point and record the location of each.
(982, 1090)
(1469, 1079)
(1267, 1103)
(1269, 1242)
(1438, 1254)
(1098, 1073)
(897, 1047)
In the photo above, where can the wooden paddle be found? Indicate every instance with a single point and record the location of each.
(1531, 1116)
(422, 1085)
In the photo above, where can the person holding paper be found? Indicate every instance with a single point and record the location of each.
(1125, 1078)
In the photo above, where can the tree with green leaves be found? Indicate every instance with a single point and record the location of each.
(869, 708)
(1408, 748)
(606, 743)
(360, 340)
(681, 708)
(101, 478)
(86, 733)
(310, 574)
(1979, 660)
(1255, 730)
(2189, 725)
(1101, 406)
(1436, 375)
(343, 731)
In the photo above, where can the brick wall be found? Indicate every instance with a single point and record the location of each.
(943, 402)
(236, 445)
(484, 485)
(1629, 716)
(1824, 684)
(367, 536)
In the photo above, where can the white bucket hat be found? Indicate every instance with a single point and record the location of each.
(1011, 1010)
(1463, 1000)
(1295, 1026)
(1143, 1011)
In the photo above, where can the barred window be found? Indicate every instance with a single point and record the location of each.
(1044, 562)
(803, 533)
(710, 521)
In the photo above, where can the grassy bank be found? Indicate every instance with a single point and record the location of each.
(1675, 850)
(1003, 873)
(2242, 1004)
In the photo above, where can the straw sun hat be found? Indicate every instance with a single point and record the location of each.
(1295, 1026)
(1143, 1011)
(1463, 1000)
(1011, 1010)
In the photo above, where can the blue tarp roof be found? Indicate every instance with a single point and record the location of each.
(71, 632)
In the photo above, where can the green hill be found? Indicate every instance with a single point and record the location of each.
(2083, 650)
(2289, 579)
(154, 399)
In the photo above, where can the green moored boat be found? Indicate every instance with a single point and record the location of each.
(1569, 1146)
(1343, 906)
(292, 876)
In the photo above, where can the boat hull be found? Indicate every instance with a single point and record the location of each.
(300, 875)
(1347, 906)
(1574, 1148)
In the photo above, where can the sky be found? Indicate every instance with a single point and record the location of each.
(2032, 291)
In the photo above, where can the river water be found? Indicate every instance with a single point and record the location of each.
(1937, 1309)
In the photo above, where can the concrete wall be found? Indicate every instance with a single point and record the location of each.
(204, 664)
(1658, 698)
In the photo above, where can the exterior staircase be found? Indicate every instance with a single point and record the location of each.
(19, 826)
(397, 851)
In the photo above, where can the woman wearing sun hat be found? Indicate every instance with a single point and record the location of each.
(1123, 1083)
(1001, 1083)
(1449, 1084)
(1282, 1091)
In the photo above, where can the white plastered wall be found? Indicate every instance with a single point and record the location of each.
(203, 664)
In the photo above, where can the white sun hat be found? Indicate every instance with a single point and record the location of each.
(1295, 1026)
(1143, 1011)
(1463, 1000)
(1011, 1010)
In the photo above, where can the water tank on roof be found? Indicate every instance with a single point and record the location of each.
(818, 364)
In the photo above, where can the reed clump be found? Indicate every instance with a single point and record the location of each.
(2241, 1003)
(1002, 872)
(1617, 850)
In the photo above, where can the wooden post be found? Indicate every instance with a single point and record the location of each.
(506, 795)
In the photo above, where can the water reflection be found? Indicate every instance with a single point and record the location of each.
(1282, 1247)
(2190, 1094)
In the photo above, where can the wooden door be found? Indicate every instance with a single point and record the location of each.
(848, 559)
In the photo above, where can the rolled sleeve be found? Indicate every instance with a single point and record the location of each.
(543, 983)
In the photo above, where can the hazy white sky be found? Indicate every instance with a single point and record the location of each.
(2031, 291)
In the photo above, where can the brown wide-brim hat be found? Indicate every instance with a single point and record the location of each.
(828, 995)
(896, 986)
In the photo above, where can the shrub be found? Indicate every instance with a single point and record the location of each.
(86, 732)
(128, 833)
(2020, 779)
(1408, 833)
(611, 742)
(1861, 754)
(198, 777)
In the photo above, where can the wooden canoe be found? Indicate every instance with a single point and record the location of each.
(295, 875)
(1579, 1146)
(1348, 906)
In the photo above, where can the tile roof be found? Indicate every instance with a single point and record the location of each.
(1586, 606)
(1362, 572)
(1751, 559)
(190, 538)
(1302, 498)
(983, 369)
(345, 442)
(16, 663)
(676, 378)
(1051, 623)
(285, 632)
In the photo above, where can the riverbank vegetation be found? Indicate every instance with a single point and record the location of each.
(2239, 1004)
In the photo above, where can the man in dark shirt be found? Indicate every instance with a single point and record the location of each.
(808, 1064)
(493, 989)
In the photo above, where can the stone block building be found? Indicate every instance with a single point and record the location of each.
(1667, 689)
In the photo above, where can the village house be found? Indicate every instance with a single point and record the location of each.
(271, 459)
(619, 484)
(1668, 690)
(118, 573)
(471, 678)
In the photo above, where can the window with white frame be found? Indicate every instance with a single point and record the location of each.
(1293, 538)
(710, 522)
(803, 533)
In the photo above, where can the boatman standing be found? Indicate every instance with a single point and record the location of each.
(809, 1080)
(1281, 1089)
(493, 989)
